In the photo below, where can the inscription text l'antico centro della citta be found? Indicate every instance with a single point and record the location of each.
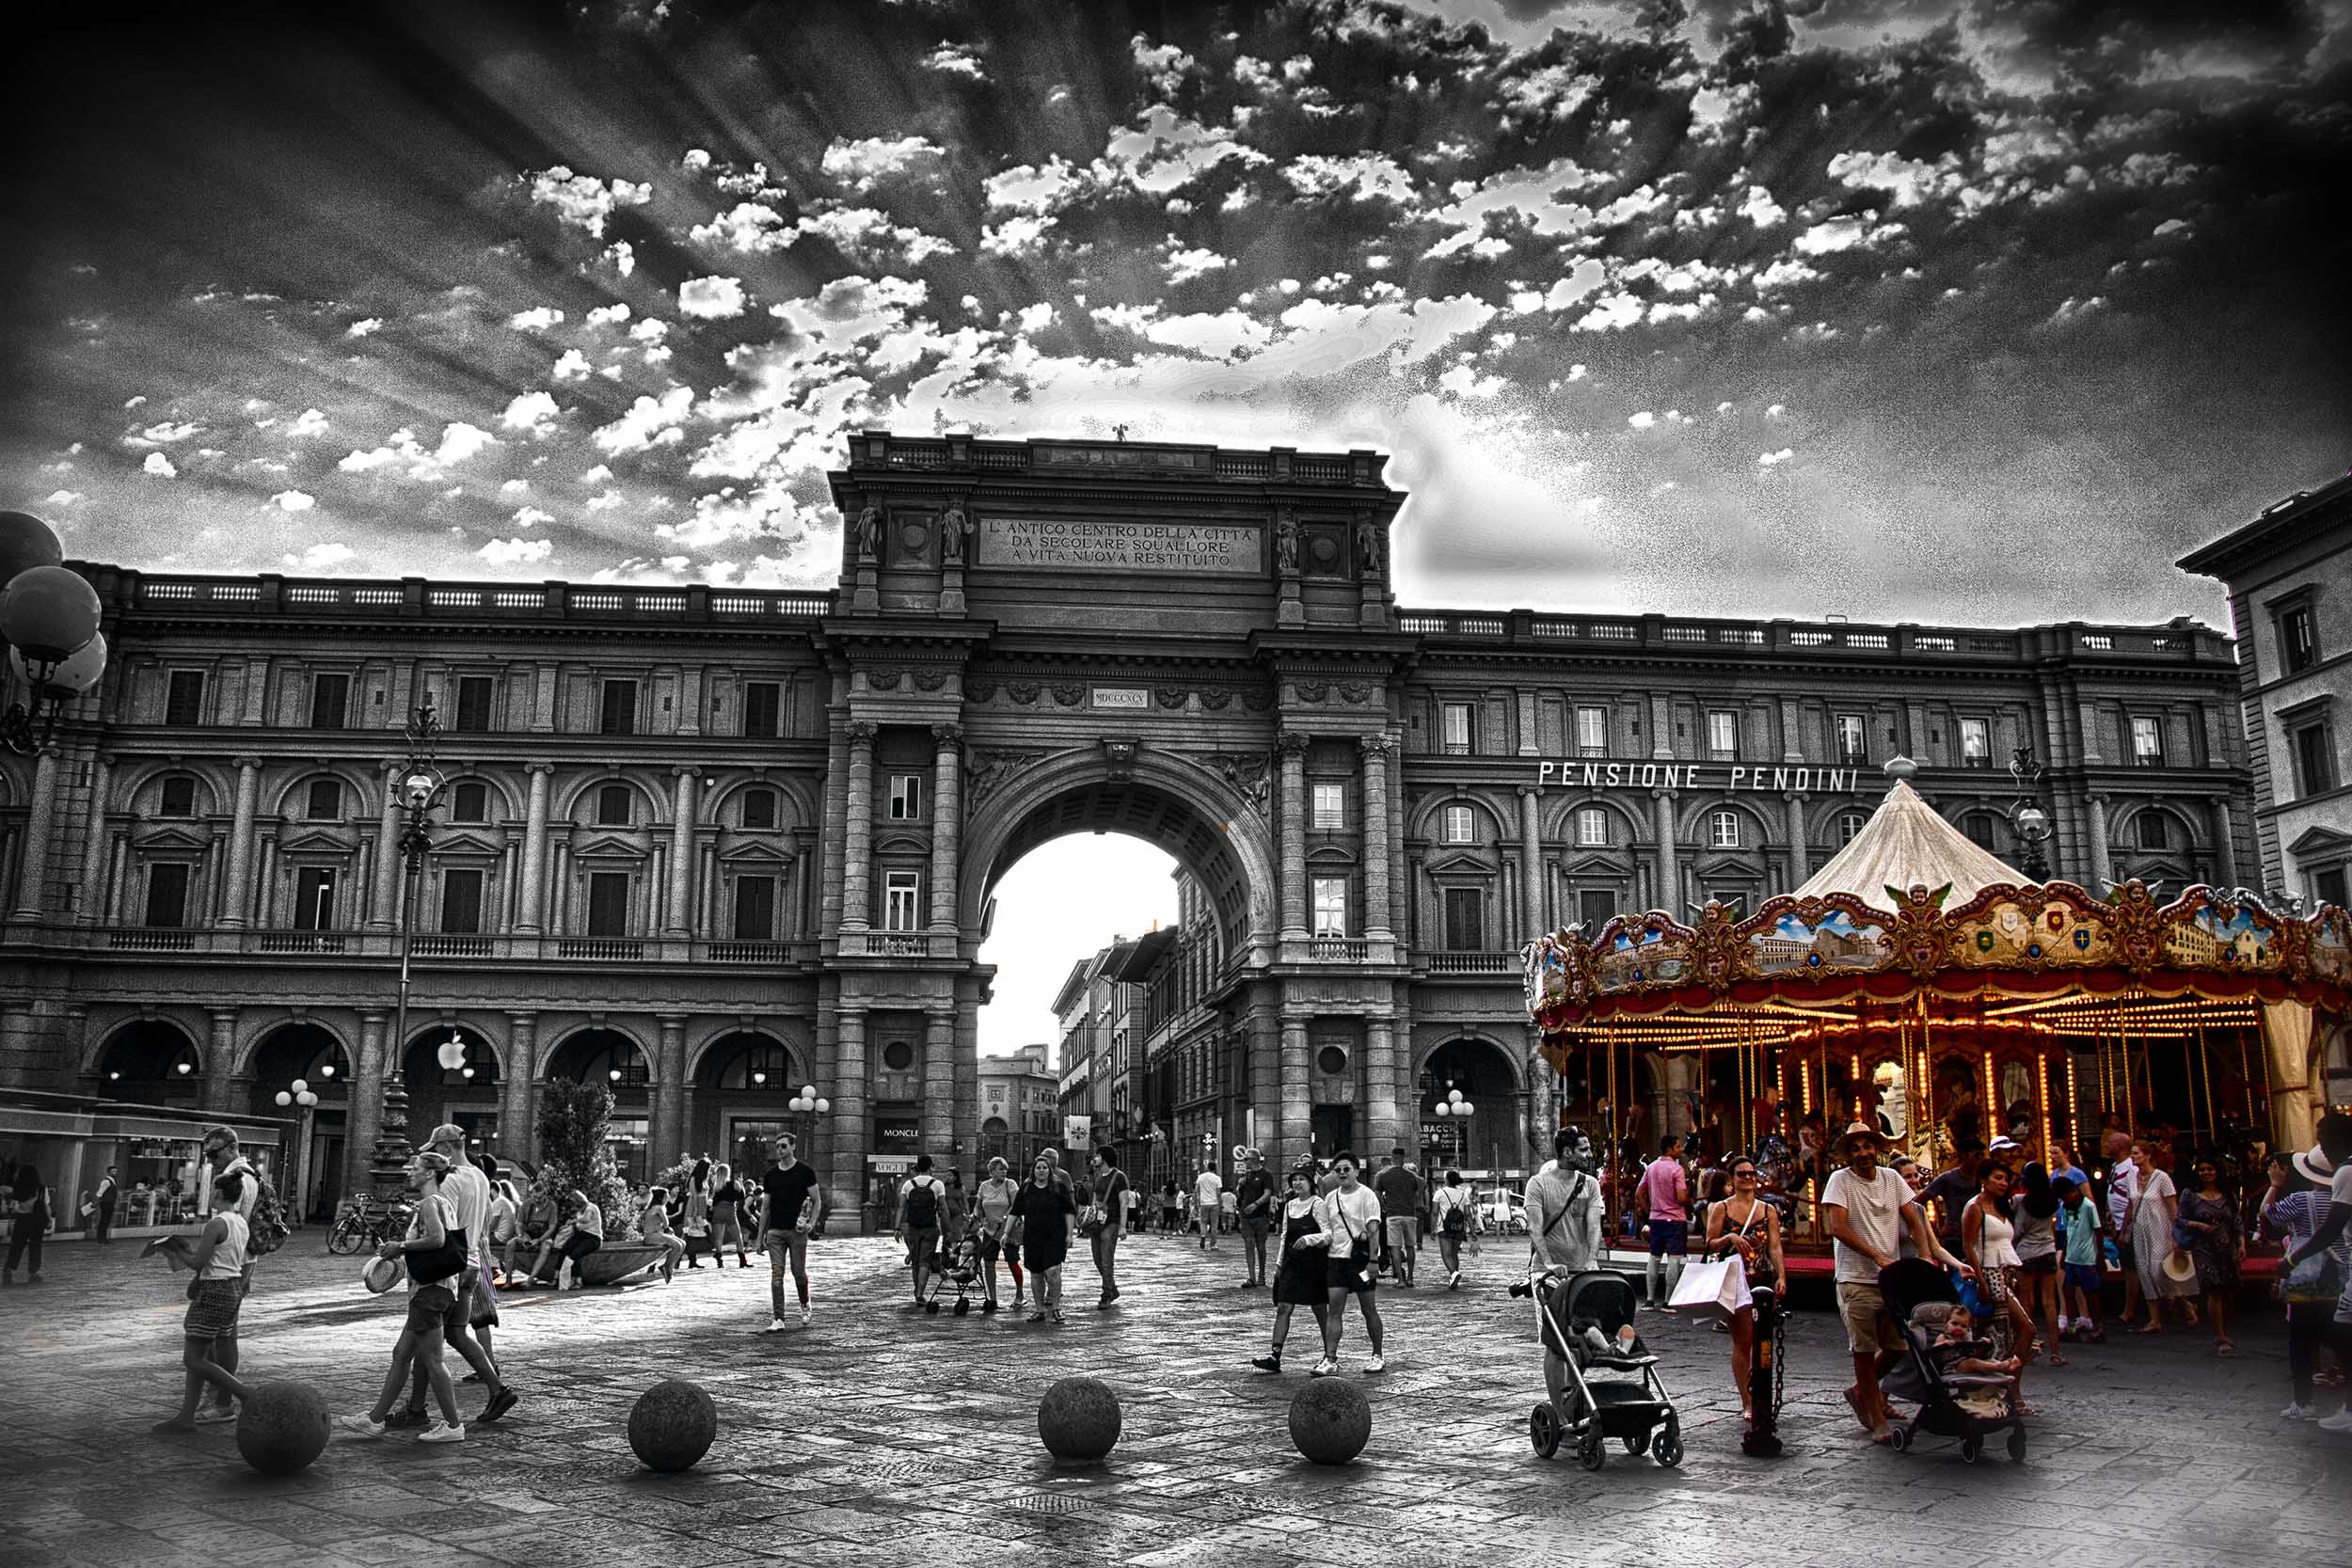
(1079, 545)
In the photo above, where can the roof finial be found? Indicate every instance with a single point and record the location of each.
(1900, 769)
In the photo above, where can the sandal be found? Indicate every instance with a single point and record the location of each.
(2057, 1360)
(2225, 1348)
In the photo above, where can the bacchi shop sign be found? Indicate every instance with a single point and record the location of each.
(1596, 773)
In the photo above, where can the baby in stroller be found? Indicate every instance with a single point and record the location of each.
(1961, 1389)
(961, 1269)
(1953, 1348)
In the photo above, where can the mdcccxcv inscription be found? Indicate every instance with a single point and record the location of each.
(1081, 546)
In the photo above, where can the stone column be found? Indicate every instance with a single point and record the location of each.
(1380, 1087)
(1379, 904)
(848, 1109)
(534, 874)
(1530, 866)
(2102, 866)
(967, 1087)
(680, 920)
(1668, 893)
(1266, 1086)
(236, 898)
(367, 1102)
(939, 1084)
(39, 828)
(520, 1094)
(220, 1059)
(92, 900)
(857, 841)
(1292, 748)
(946, 825)
(1800, 861)
(689, 700)
(383, 892)
(667, 1109)
(1297, 1096)
(2224, 845)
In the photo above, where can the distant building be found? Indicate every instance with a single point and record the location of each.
(1020, 1107)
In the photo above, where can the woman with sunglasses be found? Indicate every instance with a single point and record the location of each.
(2217, 1242)
(1744, 1224)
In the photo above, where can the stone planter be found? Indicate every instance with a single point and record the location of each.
(616, 1261)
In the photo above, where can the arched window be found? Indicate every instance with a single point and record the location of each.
(1849, 824)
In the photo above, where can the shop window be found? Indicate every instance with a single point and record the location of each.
(906, 797)
(608, 903)
(613, 805)
(762, 701)
(1330, 906)
(314, 898)
(1722, 829)
(183, 700)
(619, 715)
(330, 702)
(759, 810)
(1592, 826)
(1592, 731)
(1461, 825)
(178, 797)
(326, 803)
(1723, 734)
(754, 909)
(1976, 743)
(1455, 728)
(1330, 811)
(470, 802)
(461, 902)
(901, 900)
(1465, 930)
(2146, 741)
(473, 704)
(168, 894)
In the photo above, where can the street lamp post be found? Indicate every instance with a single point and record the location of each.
(809, 1106)
(2025, 816)
(49, 619)
(417, 789)
(1455, 1107)
(300, 1095)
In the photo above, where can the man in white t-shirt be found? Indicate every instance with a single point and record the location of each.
(1866, 1207)
(2335, 1143)
(1207, 1188)
(468, 1193)
(2122, 1186)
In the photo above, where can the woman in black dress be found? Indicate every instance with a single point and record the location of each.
(1044, 1211)
(1299, 1276)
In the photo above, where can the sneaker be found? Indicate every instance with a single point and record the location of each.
(2295, 1413)
(1454, 1283)
(2340, 1421)
(806, 1313)
(1036, 1317)
(986, 1307)
(500, 1403)
(1269, 1363)
(441, 1434)
(775, 1326)
(1324, 1367)
(407, 1419)
(1376, 1364)
(215, 1416)
(360, 1426)
(1053, 1314)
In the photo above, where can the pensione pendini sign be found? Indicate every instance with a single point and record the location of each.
(1799, 778)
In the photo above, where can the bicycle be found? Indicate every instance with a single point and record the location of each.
(361, 1223)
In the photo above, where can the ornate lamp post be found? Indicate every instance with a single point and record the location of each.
(1453, 1107)
(417, 790)
(2025, 816)
(809, 1106)
(299, 1093)
(49, 619)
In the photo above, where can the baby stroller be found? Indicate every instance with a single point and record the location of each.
(959, 1265)
(1597, 1391)
(1989, 1406)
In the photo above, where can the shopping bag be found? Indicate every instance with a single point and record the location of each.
(1713, 1288)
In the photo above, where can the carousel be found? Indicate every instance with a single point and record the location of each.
(1919, 985)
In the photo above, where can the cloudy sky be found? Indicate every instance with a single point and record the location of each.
(1975, 313)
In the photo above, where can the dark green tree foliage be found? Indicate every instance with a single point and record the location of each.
(573, 1151)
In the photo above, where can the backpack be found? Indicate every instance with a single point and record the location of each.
(1457, 1221)
(266, 1227)
(922, 1210)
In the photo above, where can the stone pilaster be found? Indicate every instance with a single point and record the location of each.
(530, 908)
(1379, 903)
(857, 842)
(1291, 745)
(236, 897)
(947, 824)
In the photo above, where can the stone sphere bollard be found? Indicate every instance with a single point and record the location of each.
(1078, 1419)
(282, 1427)
(1331, 1421)
(672, 1424)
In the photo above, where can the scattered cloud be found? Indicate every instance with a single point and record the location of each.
(517, 552)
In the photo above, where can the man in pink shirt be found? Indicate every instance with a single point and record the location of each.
(1665, 1195)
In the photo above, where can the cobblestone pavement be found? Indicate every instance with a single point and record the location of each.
(877, 1436)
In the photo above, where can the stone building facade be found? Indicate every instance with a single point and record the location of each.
(715, 845)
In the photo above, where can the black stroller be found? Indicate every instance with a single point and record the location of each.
(957, 1265)
(1594, 1393)
(1970, 1406)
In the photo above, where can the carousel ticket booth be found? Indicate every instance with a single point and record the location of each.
(1919, 986)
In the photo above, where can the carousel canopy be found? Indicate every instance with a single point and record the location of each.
(1908, 843)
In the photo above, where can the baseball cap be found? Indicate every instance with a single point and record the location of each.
(448, 1132)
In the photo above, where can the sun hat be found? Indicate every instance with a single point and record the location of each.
(2001, 1143)
(2315, 1166)
(380, 1274)
(1845, 1139)
(2180, 1268)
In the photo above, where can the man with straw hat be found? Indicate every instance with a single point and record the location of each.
(1866, 1207)
(2335, 1148)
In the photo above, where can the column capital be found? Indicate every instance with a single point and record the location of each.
(1292, 743)
(539, 768)
(520, 1018)
(685, 770)
(1528, 791)
(254, 764)
(1375, 745)
(861, 731)
(1662, 793)
(949, 737)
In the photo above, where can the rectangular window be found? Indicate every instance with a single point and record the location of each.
(1592, 731)
(1592, 826)
(470, 802)
(178, 797)
(608, 903)
(1730, 898)
(185, 702)
(762, 702)
(1723, 734)
(1853, 742)
(2146, 741)
(326, 803)
(1594, 907)
(2299, 639)
(1330, 899)
(1464, 931)
(759, 810)
(613, 806)
(1849, 824)
(314, 898)
(168, 894)
(754, 909)
(330, 702)
(1976, 743)
(473, 704)
(2154, 829)
(1330, 811)
(2327, 886)
(1461, 825)
(2314, 747)
(1722, 829)
(901, 894)
(1457, 728)
(461, 902)
(619, 716)
(906, 797)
